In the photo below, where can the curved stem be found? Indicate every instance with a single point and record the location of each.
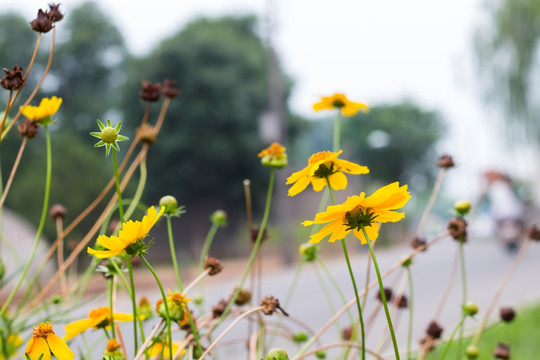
(139, 191)
(13, 171)
(255, 246)
(111, 305)
(173, 253)
(431, 201)
(133, 304)
(464, 292)
(447, 347)
(41, 222)
(409, 338)
(206, 245)
(169, 333)
(118, 191)
(383, 297)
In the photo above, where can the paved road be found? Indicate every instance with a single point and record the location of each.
(486, 265)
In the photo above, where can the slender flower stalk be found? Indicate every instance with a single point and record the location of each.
(118, 190)
(463, 292)
(411, 298)
(337, 132)
(40, 226)
(173, 252)
(450, 340)
(383, 297)
(207, 243)
(112, 284)
(13, 171)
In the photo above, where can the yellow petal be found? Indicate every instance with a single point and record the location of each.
(123, 317)
(339, 233)
(130, 231)
(295, 176)
(372, 232)
(351, 168)
(388, 216)
(325, 231)
(37, 346)
(318, 184)
(111, 242)
(77, 327)
(338, 181)
(299, 186)
(59, 348)
(103, 254)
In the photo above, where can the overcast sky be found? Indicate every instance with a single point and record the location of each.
(374, 51)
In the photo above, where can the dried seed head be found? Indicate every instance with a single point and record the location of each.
(13, 80)
(42, 23)
(507, 314)
(457, 228)
(255, 233)
(54, 12)
(434, 330)
(147, 134)
(169, 89)
(346, 333)
(445, 162)
(57, 211)
(219, 308)
(270, 304)
(403, 302)
(28, 128)
(387, 294)
(533, 233)
(417, 242)
(244, 297)
(212, 264)
(150, 92)
(502, 351)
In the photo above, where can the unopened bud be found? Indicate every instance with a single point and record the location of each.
(219, 217)
(462, 207)
(170, 204)
(300, 337)
(472, 352)
(308, 251)
(277, 354)
(470, 308)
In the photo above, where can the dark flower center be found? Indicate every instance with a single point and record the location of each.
(359, 218)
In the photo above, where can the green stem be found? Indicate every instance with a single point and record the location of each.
(447, 347)
(118, 191)
(463, 291)
(169, 333)
(173, 254)
(383, 297)
(409, 338)
(206, 246)
(337, 131)
(328, 297)
(139, 191)
(111, 303)
(133, 304)
(255, 247)
(41, 223)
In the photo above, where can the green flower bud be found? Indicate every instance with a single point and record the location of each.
(170, 204)
(108, 135)
(470, 308)
(177, 304)
(320, 354)
(219, 217)
(472, 352)
(300, 337)
(308, 251)
(277, 354)
(462, 207)
(144, 308)
(56, 299)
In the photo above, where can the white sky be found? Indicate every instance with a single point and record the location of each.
(374, 51)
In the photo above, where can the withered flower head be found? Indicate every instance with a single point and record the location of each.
(219, 308)
(28, 128)
(13, 80)
(212, 264)
(57, 211)
(169, 88)
(346, 333)
(457, 228)
(150, 92)
(502, 351)
(445, 162)
(42, 23)
(255, 233)
(54, 12)
(434, 330)
(244, 296)
(533, 233)
(403, 302)
(147, 134)
(270, 304)
(387, 294)
(417, 242)
(507, 314)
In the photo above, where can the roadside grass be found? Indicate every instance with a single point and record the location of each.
(522, 335)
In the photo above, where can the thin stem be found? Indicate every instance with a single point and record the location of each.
(212, 345)
(411, 297)
(60, 254)
(173, 253)
(140, 188)
(447, 347)
(255, 246)
(383, 297)
(464, 292)
(133, 304)
(111, 305)
(431, 201)
(337, 131)
(195, 281)
(328, 297)
(6, 111)
(449, 285)
(148, 340)
(13, 171)
(41, 223)
(164, 303)
(118, 191)
(206, 245)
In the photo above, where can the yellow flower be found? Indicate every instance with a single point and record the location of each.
(361, 210)
(340, 102)
(99, 318)
(163, 348)
(321, 165)
(131, 232)
(274, 156)
(44, 341)
(47, 108)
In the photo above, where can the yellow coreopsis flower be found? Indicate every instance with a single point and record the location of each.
(340, 102)
(47, 108)
(324, 165)
(358, 211)
(131, 232)
(44, 341)
(99, 318)
(274, 156)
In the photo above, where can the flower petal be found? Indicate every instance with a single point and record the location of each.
(389, 216)
(372, 232)
(77, 327)
(59, 348)
(299, 186)
(325, 231)
(351, 168)
(295, 176)
(37, 346)
(112, 242)
(103, 254)
(338, 181)
(318, 184)
(123, 317)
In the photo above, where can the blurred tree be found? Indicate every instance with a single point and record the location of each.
(396, 142)
(507, 53)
